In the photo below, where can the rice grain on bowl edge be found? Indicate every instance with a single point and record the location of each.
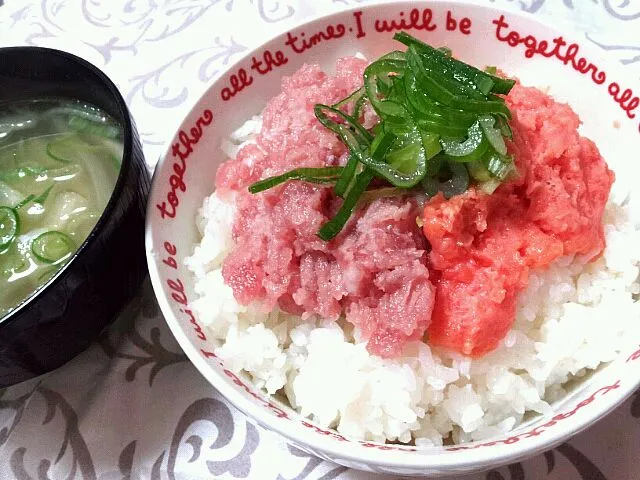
(428, 394)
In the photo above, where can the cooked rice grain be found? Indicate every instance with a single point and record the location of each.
(572, 318)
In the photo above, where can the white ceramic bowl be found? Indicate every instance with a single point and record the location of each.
(186, 176)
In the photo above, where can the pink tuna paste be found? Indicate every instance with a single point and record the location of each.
(374, 272)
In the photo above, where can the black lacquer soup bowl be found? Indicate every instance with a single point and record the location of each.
(69, 311)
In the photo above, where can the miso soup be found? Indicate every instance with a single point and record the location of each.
(59, 163)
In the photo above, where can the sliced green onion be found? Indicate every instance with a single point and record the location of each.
(479, 153)
(52, 246)
(84, 111)
(28, 199)
(43, 196)
(434, 165)
(405, 165)
(22, 172)
(494, 135)
(453, 79)
(355, 140)
(389, 108)
(426, 107)
(403, 158)
(430, 186)
(393, 55)
(468, 150)
(381, 145)
(357, 110)
(85, 125)
(348, 173)
(9, 226)
(358, 98)
(482, 81)
(504, 127)
(500, 85)
(352, 97)
(63, 150)
(314, 175)
(372, 75)
(443, 95)
(499, 166)
(431, 144)
(459, 181)
(455, 185)
(330, 229)
(352, 133)
(440, 128)
(478, 171)
(383, 85)
(489, 186)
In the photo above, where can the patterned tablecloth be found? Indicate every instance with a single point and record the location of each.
(133, 406)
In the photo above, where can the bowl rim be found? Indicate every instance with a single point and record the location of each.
(466, 460)
(125, 167)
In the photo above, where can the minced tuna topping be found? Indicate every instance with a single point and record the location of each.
(453, 282)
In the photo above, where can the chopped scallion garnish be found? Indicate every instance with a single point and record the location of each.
(313, 175)
(9, 226)
(441, 125)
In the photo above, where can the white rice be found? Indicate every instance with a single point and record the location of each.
(571, 319)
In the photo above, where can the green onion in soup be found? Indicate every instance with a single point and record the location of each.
(59, 163)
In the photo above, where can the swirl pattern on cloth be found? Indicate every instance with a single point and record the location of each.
(132, 406)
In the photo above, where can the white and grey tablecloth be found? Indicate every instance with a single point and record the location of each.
(133, 406)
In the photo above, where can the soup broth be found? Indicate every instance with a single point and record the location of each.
(59, 163)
